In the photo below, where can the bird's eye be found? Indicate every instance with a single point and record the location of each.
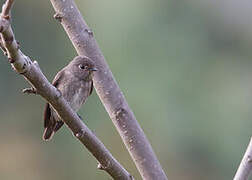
(82, 66)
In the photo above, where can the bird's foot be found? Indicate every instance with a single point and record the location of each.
(31, 90)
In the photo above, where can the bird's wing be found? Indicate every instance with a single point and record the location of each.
(58, 78)
(47, 113)
(50, 123)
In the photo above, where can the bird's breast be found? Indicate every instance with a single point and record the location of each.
(76, 93)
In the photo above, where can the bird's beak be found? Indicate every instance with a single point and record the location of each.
(92, 69)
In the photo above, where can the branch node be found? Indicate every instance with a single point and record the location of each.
(11, 60)
(24, 66)
(31, 90)
(80, 134)
(58, 17)
(7, 17)
(120, 113)
(90, 32)
(36, 64)
(249, 160)
(99, 166)
(4, 24)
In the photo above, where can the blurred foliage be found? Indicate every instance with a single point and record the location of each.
(184, 67)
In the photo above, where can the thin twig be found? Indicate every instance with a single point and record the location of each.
(109, 92)
(7, 8)
(245, 167)
(32, 73)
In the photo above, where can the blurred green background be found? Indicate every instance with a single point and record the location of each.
(184, 67)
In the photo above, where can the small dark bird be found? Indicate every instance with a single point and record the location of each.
(75, 84)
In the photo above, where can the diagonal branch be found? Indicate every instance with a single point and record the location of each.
(7, 8)
(109, 92)
(32, 73)
(245, 167)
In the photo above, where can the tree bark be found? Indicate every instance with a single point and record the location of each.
(32, 73)
(109, 92)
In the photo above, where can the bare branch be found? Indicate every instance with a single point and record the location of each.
(109, 91)
(7, 8)
(32, 73)
(245, 167)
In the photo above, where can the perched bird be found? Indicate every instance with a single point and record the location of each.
(75, 84)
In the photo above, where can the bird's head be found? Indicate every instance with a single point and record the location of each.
(82, 67)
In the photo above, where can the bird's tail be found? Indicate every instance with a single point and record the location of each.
(48, 134)
(51, 125)
(50, 130)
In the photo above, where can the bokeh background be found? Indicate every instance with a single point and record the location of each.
(184, 66)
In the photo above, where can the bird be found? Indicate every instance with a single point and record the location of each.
(75, 83)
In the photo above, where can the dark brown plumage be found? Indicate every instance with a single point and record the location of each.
(75, 83)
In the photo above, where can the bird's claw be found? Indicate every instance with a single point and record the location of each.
(30, 90)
